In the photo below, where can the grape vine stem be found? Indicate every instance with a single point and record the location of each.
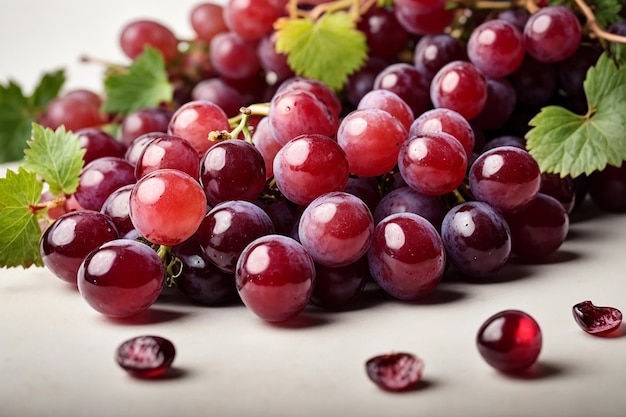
(593, 24)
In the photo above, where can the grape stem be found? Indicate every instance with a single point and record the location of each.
(593, 24)
(355, 8)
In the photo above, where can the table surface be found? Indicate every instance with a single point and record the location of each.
(56, 355)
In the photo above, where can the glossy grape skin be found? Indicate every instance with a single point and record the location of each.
(539, 229)
(275, 276)
(477, 239)
(228, 227)
(499, 106)
(117, 207)
(233, 56)
(408, 200)
(461, 87)
(143, 121)
(136, 35)
(596, 320)
(432, 22)
(73, 112)
(407, 257)
(193, 121)
(447, 121)
(146, 356)
(496, 48)
(385, 37)
(552, 34)
(296, 112)
(121, 278)
(320, 90)
(365, 188)
(98, 144)
(391, 103)
(506, 177)
(99, 178)
(371, 139)
(408, 83)
(308, 166)
(433, 163)
(509, 341)
(200, 281)
(232, 170)
(207, 20)
(167, 206)
(136, 147)
(336, 229)
(273, 63)
(267, 146)
(561, 188)
(223, 95)
(252, 19)
(336, 288)
(168, 151)
(66, 242)
(432, 52)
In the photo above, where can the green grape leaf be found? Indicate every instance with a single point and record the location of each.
(328, 49)
(569, 144)
(144, 84)
(18, 112)
(19, 228)
(56, 156)
(48, 89)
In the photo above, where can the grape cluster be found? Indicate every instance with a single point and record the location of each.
(415, 168)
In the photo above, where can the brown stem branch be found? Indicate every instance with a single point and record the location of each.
(593, 24)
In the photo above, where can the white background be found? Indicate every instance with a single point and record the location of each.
(56, 353)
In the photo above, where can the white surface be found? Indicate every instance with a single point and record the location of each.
(56, 353)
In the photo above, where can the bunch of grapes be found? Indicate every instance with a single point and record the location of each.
(256, 182)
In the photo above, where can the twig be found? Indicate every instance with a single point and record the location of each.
(593, 24)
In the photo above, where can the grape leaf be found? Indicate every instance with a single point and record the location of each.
(569, 144)
(18, 112)
(56, 156)
(144, 84)
(19, 229)
(327, 49)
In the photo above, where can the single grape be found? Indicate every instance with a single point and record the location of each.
(121, 278)
(194, 120)
(496, 48)
(420, 22)
(146, 356)
(320, 90)
(552, 34)
(275, 277)
(99, 178)
(408, 83)
(167, 206)
(66, 242)
(385, 36)
(395, 372)
(232, 170)
(308, 166)
(477, 239)
(509, 341)
(506, 177)
(207, 20)
(143, 121)
(596, 320)
(336, 229)
(297, 112)
(267, 146)
(117, 207)
(607, 188)
(233, 56)
(75, 112)
(561, 188)
(499, 106)
(138, 34)
(461, 87)
(371, 139)
(433, 163)
(228, 227)
(273, 63)
(200, 280)
(336, 288)
(407, 257)
(98, 144)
